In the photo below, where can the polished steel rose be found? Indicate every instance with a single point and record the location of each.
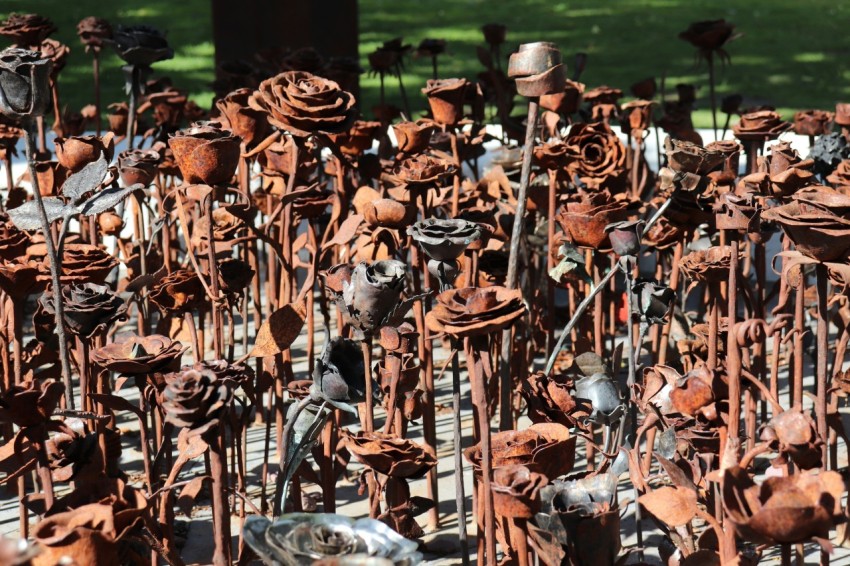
(304, 104)
(339, 378)
(652, 301)
(24, 83)
(444, 239)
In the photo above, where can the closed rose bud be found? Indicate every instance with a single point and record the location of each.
(24, 83)
(140, 45)
(76, 152)
(653, 301)
(110, 224)
(413, 137)
(625, 236)
(446, 98)
(138, 166)
(205, 153)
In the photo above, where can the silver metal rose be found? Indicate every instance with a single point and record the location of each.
(297, 539)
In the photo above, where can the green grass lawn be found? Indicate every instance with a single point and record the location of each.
(792, 54)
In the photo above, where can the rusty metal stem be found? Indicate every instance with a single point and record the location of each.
(221, 507)
(505, 417)
(823, 351)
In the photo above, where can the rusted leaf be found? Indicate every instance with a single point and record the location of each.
(673, 506)
(116, 403)
(190, 446)
(346, 231)
(189, 493)
(279, 331)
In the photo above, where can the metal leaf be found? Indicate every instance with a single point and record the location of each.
(27, 216)
(107, 199)
(309, 423)
(85, 180)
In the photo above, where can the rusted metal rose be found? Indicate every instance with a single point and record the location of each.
(424, 169)
(390, 456)
(603, 103)
(537, 69)
(840, 178)
(339, 377)
(76, 152)
(195, 399)
(474, 311)
(73, 454)
(709, 36)
(794, 435)
(812, 122)
(13, 242)
(579, 521)
(168, 107)
(815, 221)
(444, 239)
(584, 221)
(566, 102)
(548, 399)
(602, 156)
(138, 355)
(388, 213)
(140, 45)
(251, 125)
(686, 157)
(652, 300)
(304, 104)
(51, 175)
(625, 236)
(789, 509)
(372, 293)
(446, 98)
(516, 491)
(117, 114)
(26, 30)
(138, 166)
(20, 279)
(763, 125)
(711, 264)
(637, 117)
(544, 448)
(309, 538)
(88, 308)
(83, 263)
(205, 153)
(787, 172)
(697, 393)
(413, 137)
(357, 139)
(93, 31)
(178, 292)
(31, 403)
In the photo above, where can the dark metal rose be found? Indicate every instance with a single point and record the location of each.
(205, 153)
(93, 31)
(26, 30)
(444, 239)
(138, 166)
(339, 377)
(473, 311)
(653, 301)
(24, 83)
(139, 355)
(30, 403)
(625, 236)
(494, 34)
(708, 35)
(13, 242)
(374, 291)
(195, 399)
(89, 308)
(140, 45)
(304, 104)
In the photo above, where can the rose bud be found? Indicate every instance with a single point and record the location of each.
(413, 137)
(625, 236)
(812, 122)
(140, 45)
(93, 31)
(494, 34)
(388, 213)
(374, 291)
(76, 152)
(446, 97)
(645, 89)
(110, 224)
(444, 240)
(138, 166)
(653, 301)
(516, 491)
(205, 153)
(117, 114)
(339, 377)
(235, 115)
(731, 104)
(26, 29)
(24, 83)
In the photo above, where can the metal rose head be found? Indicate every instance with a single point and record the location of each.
(516, 491)
(93, 32)
(140, 45)
(625, 236)
(709, 36)
(537, 69)
(195, 399)
(603, 156)
(140, 355)
(584, 221)
(339, 377)
(26, 30)
(813, 122)
(76, 152)
(760, 126)
(88, 308)
(549, 400)
(138, 166)
(652, 301)
(444, 239)
(789, 509)
(301, 539)
(235, 115)
(17, 552)
(205, 153)
(794, 435)
(413, 137)
(603, 395)
(545, 448)
(31, 403)
(24, 83)
(473, 311)
(446, 98)
(389, 455)
(373, 293)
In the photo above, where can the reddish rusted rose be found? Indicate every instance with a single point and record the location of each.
(555, 156)
(473, 311)
(707, 265)
(74, 153)
(388, 213)
(584, 221)
(413, 137)
(250, 124)
(118, 114)
(840, 178)
(446, 98)
(708, 35)
(544, 448)
(763, 125)
(603, 102)
(178, 292)
(26, 30)
(786, 171)
(13, 242)
(783, 510)
(30, 404)
(138, 166)
(88, 308)
(205, 154)
(390, 456)
(794, 435)
(138, 355)
(304, 104)
(566, 102)
(357, 139)
(637, 117)
(168, 107)
(93, 31)
(19, 279)
(602, 156)
(815, 220)
(50, 176)
(696, 393)
(549, 399)
(83, 263)
(425, 169)
(516, 491)
(195, 400)
(812, 122)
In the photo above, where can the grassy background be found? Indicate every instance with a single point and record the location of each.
(792, 54)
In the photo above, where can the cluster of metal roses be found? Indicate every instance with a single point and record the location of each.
(693, 385)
